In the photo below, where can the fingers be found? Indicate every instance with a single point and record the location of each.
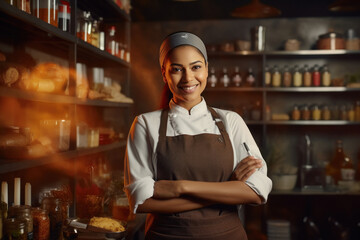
(246, 168)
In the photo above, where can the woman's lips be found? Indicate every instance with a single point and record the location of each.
(189, 89)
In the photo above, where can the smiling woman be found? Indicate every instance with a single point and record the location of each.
(185, 165)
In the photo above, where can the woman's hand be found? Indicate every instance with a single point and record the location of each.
(245, 168)
(166, 189)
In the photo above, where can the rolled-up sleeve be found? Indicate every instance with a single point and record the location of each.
(240, 133)
(138, 168)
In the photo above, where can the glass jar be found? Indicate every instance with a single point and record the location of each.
(111, 40)
(357, 111)
(307, 76)
(41, 224)
(325, 115)
(15, 229)
(276, 77)
(46, 10)
(256, 112)
(23, 212)
(297, 77)
(325, 77)
(305, 113)
(295, 114)
(287, 77)
(351, 112)
(53, 207)
(343, 113)
(316, 113)
(83, 28)
(316, 78)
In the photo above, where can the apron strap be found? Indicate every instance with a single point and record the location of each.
(217, 120)
(163, 124)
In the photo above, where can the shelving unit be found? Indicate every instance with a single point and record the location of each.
(21, 30)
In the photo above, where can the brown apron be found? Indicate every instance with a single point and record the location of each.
(203, 157)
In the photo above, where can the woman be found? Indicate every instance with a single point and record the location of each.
(185, 165)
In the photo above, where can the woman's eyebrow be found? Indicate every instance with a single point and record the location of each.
(176, 64)
(196, 62)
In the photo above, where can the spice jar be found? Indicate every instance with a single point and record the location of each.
(111, 40)
(276, 77)
(316, 113)
(325, 114)
(15, 229)
(297, 77)
(335, 113)
(325, 77)
(305, 113)
(307, 76)
(343, 113)
(316, 76)
(212, 79)
(295, 114)
(267, 76)
(53, 207)
(357, 111)
(23, 212)
(286, 77)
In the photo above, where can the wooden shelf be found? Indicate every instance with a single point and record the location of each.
(16, 165)
(54, 98)
(296, 192)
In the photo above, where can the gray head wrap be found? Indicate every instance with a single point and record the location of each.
(178, 39)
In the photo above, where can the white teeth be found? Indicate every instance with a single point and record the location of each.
(189, 88)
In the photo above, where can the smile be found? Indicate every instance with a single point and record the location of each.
(189, 89)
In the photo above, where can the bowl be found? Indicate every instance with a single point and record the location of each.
(284, 181)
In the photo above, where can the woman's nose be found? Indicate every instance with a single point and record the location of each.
(188, 76)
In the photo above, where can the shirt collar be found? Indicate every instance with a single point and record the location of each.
(200, 108)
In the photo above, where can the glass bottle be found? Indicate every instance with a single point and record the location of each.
(95, 32)
(23, 212)
(224, 79)
(267, 76)
(325, 77)
(111, 41)
(297, 77)
(276, 77)
(53, 207)
(307, 76)
(335, 113)
(250, 78)
(212, 79)
(15, 229)
(316, 76)
(41, 224)
(287, 77)
(236, 79)
(340, 167)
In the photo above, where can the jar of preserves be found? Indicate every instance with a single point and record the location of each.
(41, 224)
(23, 212)
(351, 112)
(53, 207)
(15, 229)
(267, 76)
(276, 77)
(325, 77)
(357, 111)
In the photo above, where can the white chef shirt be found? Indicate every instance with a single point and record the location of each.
(140, 157)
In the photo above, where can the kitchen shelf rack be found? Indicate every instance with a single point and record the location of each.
(296, 192)
(16, 165)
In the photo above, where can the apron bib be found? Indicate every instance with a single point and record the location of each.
(204, 157)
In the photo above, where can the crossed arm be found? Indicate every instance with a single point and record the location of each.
(183, 195)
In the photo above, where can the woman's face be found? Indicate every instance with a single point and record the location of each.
(186, 73)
